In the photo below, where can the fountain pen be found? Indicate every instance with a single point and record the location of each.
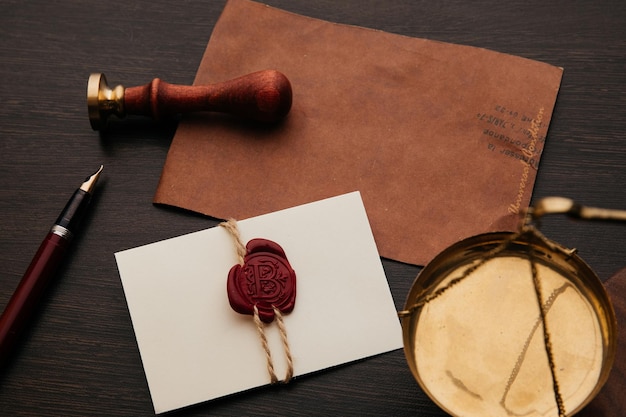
(51, 252)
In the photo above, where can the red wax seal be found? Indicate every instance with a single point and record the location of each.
(266, 280)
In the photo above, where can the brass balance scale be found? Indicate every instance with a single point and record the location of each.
(511, 324)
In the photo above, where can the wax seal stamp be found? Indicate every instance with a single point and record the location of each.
(264, 96)
(266, 280)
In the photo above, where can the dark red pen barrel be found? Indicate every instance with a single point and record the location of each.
(29, 291)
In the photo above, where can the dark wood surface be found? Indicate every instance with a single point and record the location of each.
(79, 357)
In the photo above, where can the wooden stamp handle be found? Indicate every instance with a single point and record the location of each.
(263, 96)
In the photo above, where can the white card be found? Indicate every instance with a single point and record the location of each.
(195, 348)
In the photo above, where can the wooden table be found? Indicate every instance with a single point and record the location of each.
(80, 357)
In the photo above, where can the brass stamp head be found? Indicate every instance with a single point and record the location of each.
(102, 101)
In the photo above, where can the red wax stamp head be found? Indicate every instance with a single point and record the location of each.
(266, 280)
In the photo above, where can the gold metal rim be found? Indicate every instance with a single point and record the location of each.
(96, 83)
(472, 249)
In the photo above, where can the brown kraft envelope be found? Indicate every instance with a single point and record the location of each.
(443, 141)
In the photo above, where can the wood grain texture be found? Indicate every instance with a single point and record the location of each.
(80, 357)
(263, 96)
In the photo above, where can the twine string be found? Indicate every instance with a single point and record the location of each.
(268, 354)
(231, 227)
(283, 337)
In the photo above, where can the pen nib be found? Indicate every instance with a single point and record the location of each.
(90, 182)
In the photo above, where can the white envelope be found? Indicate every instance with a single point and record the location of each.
(195, 348)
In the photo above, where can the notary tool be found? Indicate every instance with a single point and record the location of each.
(263, 96)
(512, 324)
